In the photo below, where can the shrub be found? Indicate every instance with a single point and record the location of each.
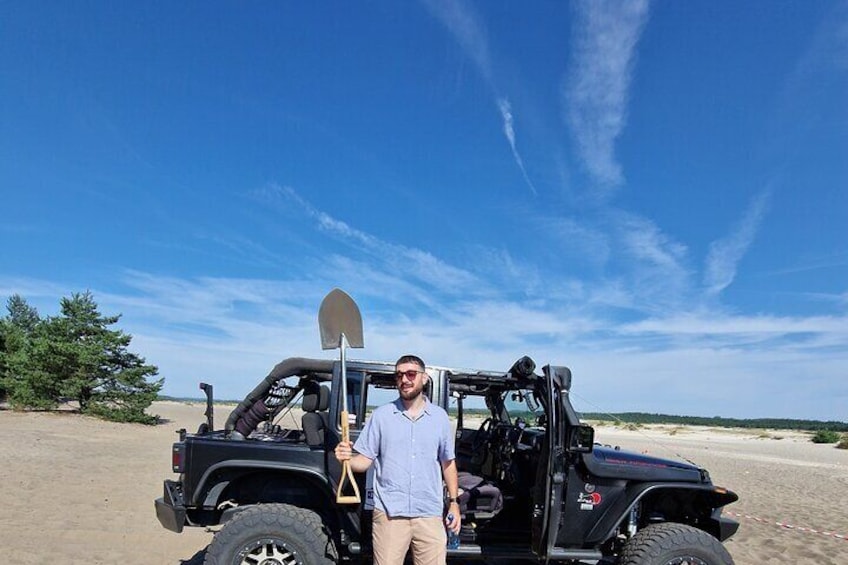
(843, 443)
(826, 436)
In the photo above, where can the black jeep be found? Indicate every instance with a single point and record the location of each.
(534, 485)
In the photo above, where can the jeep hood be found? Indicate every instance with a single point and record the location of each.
(615, 463)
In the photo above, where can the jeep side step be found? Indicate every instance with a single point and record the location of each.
(557, 554)
(471, 550)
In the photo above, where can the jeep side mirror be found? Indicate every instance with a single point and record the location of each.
(581, 439)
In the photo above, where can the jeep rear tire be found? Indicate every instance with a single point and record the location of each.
(674, 544)
(272, 534)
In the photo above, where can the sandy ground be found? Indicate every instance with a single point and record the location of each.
(78, 490)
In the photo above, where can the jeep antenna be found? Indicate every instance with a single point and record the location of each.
(341, 327)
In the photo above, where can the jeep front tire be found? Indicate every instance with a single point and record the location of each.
(674, 544)
(272, 534)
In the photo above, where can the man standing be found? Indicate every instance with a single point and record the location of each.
(410, 443)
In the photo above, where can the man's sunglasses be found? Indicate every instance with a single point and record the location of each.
(410, 374)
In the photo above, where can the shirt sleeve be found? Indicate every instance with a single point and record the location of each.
(446, 443)
(368, 442)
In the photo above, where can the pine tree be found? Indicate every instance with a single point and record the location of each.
(21, 314)
(22, 381)
(73, 356)
(92, 365)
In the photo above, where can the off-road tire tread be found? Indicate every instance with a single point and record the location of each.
(303, 526)
(650, 543)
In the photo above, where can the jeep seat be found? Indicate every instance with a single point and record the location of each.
(316, 400)
(478, 496)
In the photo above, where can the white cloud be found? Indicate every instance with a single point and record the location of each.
(458, 17)
(677, 364)
(244, 249)
(659, 274)
(706, 381)
(30, 288)
(588, 242)
(725, 254)
(665, 353)
(509, 132)
(391, 257)
(732, 327)
(597, 88)
(232, 331)
(825, 262)
(648, 243)
(466, 28)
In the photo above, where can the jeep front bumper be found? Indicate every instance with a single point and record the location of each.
(170, 509)
(726, 528)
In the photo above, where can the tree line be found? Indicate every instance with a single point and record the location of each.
(715, 421)
(718, 421)
(74, 356)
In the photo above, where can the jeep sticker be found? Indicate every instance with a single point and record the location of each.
(588, 500)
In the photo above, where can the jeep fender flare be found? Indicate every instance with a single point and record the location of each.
(236, 468)
(709, 496)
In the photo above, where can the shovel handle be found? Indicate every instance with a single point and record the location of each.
(347, 473)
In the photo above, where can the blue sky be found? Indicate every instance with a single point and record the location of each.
(653, 194)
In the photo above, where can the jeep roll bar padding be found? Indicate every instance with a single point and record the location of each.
(523, 368)
(287, 368)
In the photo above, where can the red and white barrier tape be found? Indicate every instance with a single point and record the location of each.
(786, 526)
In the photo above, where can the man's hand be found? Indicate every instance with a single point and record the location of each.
(456, 523)
(343, 451)
(358, 462)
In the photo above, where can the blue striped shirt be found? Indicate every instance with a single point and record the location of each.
(407, 457)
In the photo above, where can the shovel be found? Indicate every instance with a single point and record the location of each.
(341, 327)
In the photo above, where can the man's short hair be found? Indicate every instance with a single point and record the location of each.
(411, 359)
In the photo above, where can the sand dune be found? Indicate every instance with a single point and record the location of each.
(79, 490)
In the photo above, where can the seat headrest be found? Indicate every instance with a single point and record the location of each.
(315, 398)
(310, 398)
(323, 398)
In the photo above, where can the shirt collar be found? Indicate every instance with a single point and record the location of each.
(398, 406)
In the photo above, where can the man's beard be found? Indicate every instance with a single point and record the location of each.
(411, 393)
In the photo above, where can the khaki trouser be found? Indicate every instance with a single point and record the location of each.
(392, 537)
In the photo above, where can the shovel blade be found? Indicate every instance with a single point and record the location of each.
(339, 315)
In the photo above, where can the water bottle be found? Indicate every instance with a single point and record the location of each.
(453, 539)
